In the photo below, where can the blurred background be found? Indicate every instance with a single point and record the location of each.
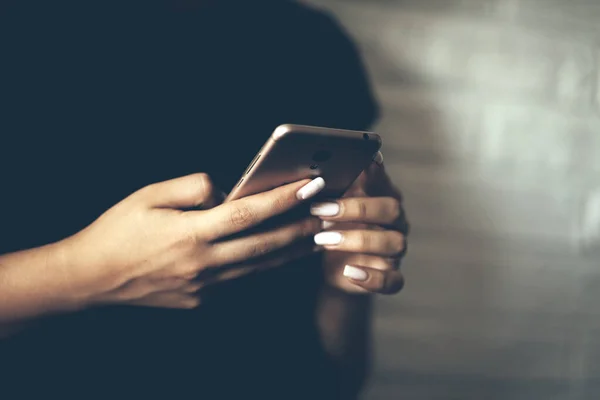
(491, 121)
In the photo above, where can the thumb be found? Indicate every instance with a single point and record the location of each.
(191, 191)
(373, 177)
(376, 180)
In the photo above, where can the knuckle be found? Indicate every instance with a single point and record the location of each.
(260, 248)
(393, 263)
(187, 239)
(241, 215)
(396, 284)
(364, 240)
(361, 209)
(145, 193)
(132, 291)
(202, 187)
(173, 283)
(397, 244)
(190, 303)
(395, 210)
(193, 288)
(189, 270)
(189, 273)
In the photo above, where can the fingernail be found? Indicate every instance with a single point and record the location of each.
(327, 224)
(355, 273)
(325, 209)
(311, 189)
(378, 158)
(328, 238)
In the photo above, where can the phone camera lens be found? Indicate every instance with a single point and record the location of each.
(314, 166)
(366, 136)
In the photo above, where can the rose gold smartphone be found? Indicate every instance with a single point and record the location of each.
(296, 152)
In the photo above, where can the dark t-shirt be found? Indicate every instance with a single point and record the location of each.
(99, 100)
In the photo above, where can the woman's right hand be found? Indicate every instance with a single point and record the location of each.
(147, 251)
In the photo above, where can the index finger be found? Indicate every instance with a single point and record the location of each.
(240, 215)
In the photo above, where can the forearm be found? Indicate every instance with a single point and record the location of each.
(344, 322)
(34, 283)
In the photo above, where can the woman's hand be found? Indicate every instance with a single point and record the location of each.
(365, 235)
(147, 251)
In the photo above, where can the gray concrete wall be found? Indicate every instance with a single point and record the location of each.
(492, 128)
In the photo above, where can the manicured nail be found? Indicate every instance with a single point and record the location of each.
(378, 158)
(355, 273)
(327, 224)
(311, 189)
(328, 238)
(325, 209)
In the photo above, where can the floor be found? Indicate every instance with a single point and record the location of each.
(492, 128)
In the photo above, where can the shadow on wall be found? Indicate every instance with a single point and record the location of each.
(489, 167)
(429, 341)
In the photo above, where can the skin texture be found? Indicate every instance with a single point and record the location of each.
(372, 225)
(372, 215)
(145, 251)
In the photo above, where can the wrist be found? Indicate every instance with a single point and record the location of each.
(37, 282)
(72, 292)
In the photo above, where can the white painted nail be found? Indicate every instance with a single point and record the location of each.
(311, 189)
(378, 158)
(325, 209)
(327, 224)
(355, 273)
(328, 238)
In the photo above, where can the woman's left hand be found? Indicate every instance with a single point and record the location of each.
(364, 235)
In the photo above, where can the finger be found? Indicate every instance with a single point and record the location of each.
(166, 283)
(374, 280)
(376, 242)
(334, 273)
(282, 257)
(260, 244)
(212, 200)
(187, 285)
(377, 182)
(186, 192)
(357, 188)
(368, 210)
(375, 262)
(192, 287)
(174, 299)
(378, 159)
(242, 214)
(374, 171)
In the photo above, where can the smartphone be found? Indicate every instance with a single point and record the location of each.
(296, 152)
